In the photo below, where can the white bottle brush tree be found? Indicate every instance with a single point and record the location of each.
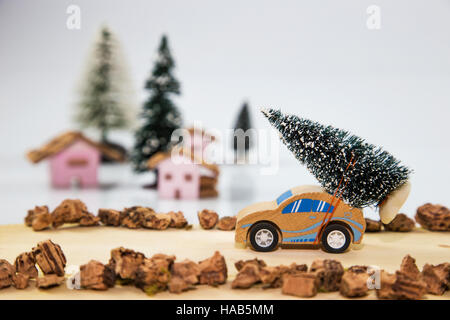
(160, 117)
(106, 97)
(376, 178)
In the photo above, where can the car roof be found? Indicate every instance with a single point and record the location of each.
(306, 189)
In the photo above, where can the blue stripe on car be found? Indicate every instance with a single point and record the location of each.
(308, 205)
(304, 230)
(348, 220)
(284, 196)
(289, 208)
(356, 232)
(305, 238)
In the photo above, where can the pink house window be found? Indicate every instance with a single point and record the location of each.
(77, 162)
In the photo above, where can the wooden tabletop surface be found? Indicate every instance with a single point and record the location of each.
(80, 245)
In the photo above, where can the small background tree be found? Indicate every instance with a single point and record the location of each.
(106, 102)
(160, 115)
(243, 123)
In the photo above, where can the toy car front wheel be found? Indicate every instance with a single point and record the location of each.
(335, 238)
(263, 237)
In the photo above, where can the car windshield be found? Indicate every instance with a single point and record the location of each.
(284, 196)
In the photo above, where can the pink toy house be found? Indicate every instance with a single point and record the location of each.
(182, 176)
(74, 159)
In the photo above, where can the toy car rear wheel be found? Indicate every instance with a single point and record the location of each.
(335, 238)
(264, 237)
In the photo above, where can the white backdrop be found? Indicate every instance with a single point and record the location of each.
(317, 59)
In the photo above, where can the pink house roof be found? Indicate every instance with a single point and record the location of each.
(65, 140)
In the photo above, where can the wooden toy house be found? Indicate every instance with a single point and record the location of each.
(74, 159)
(181, 175)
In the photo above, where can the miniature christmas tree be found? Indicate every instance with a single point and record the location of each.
(243, 123)
(327, 152)
(160, 115)
(105, 102)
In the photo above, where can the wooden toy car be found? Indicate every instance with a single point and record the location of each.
(302, 215)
